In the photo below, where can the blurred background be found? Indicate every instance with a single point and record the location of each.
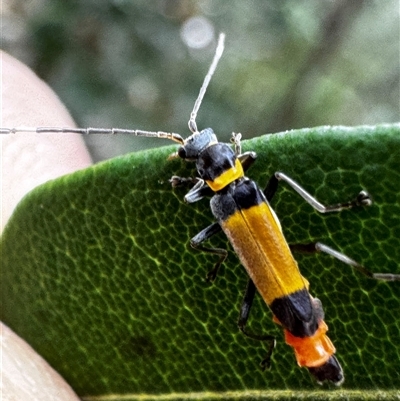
(139, 64)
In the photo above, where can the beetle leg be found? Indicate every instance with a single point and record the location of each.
(362, 199)
(247, 159)
(243, 318)
(237, 141)
(204, 235)
(177, 181)
(315, 247)
(198, 192)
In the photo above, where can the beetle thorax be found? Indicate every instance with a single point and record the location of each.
(218, 166)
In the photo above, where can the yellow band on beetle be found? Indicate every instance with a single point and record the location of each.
(227, 177)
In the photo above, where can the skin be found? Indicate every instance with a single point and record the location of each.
(28, 160)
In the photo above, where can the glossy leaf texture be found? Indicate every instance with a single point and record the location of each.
(98, 275)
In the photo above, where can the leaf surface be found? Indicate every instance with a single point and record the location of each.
(98, 277)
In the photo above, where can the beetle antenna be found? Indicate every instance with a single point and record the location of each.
(90, 131)
(166, 135)
(218, 53)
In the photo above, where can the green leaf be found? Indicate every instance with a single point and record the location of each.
(98, 277)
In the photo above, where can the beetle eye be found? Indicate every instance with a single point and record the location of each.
(182, 152)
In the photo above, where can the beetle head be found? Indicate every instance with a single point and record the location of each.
(196, 143)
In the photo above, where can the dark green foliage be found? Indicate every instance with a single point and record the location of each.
(98, 277)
